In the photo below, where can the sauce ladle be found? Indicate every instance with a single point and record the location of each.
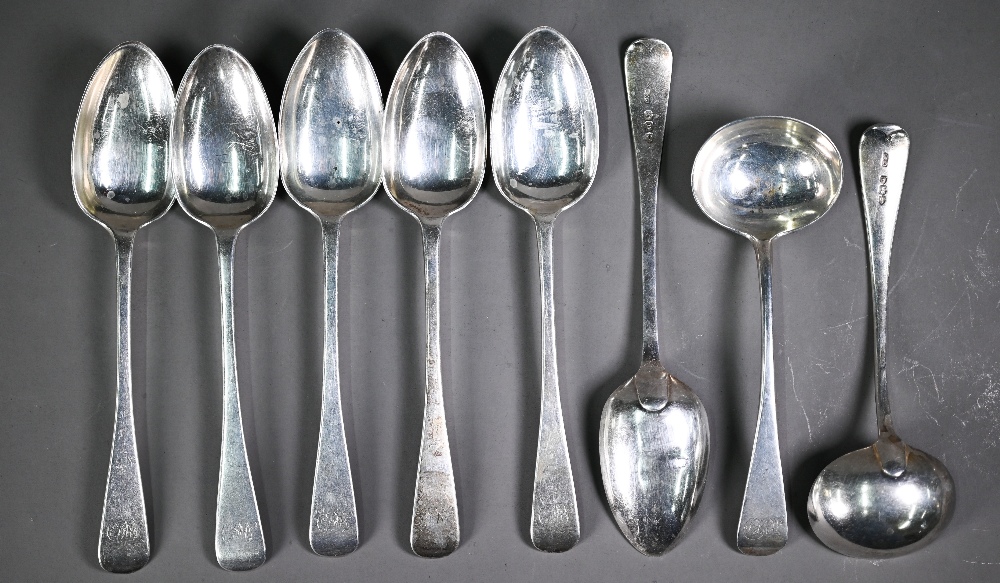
(544, 147)
(764, 177)
(888, 499)
(654, 437)
(224, 164)
(434, 160)
(329, 137)
(120, 179)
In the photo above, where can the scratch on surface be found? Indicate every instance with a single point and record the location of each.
(848, 323)
(791, 374)
(912, 366)
(269, 253)
(980, 562)
(964, 124)
(909, 261)
(687, 371)
(853, 244)
(958, 193)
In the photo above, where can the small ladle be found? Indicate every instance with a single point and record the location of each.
(124, 117)
(329, 137)
(434, 160)
(654, 438)
(224, 164)
(764, 177)
(544, 147)
(888, 499)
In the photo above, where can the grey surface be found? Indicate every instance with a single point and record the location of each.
(930, 67)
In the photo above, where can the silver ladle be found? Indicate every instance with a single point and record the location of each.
(654, 438)
(434, 160)
(543, 146)
(764, 177)
(329, 137)
(888, 499)
(124, 117)
(224, 162)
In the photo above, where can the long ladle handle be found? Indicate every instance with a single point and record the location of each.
(333, 520)
(648, 66)
(239, 536)
(883, 154)
(555, 522)
(124, 542)
(434, 525)
(763, 527)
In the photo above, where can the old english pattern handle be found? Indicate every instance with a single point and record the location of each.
(883, 154)
(555, 522)
(124, 542)
(239, 537)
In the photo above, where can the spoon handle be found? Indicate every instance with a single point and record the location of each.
(648, 66)
(434, 526)
(333, 521)
(763, 527)
(239, 537)
(883, 154)
(555, 522)
(124, 542)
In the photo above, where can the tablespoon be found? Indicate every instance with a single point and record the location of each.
(654, 437)
(544, 146)
(224, 161)
(124, 117)
(329, 136)
(764, 177)
(433, 160)
(888, 499)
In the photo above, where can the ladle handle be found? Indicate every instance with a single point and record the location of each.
(883, 154)
(124, 543)
(434, 525)
(555, 522)
(333, 520)
(648, 65)
(763, 527)
(239, 536)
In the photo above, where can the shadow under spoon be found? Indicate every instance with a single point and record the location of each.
(120, 180)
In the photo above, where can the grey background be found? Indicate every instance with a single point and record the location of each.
(930, 67)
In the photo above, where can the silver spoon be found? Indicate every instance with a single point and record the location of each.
(888, 499)
(224, 160)
(763, 177)
(124, 117)
(544, 146)
(434, 159)
(654, 437)
(329, 137)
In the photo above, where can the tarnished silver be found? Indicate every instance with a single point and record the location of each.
(654, 438)
(888, 499)
(224, 164)
(434, 159)
(764, 177)
(544, 147)
(120, 179)
(329, 137)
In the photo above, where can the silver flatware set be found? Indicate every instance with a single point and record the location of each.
(214, 147)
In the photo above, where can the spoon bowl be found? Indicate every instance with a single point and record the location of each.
(912, 509)
(767, 176)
